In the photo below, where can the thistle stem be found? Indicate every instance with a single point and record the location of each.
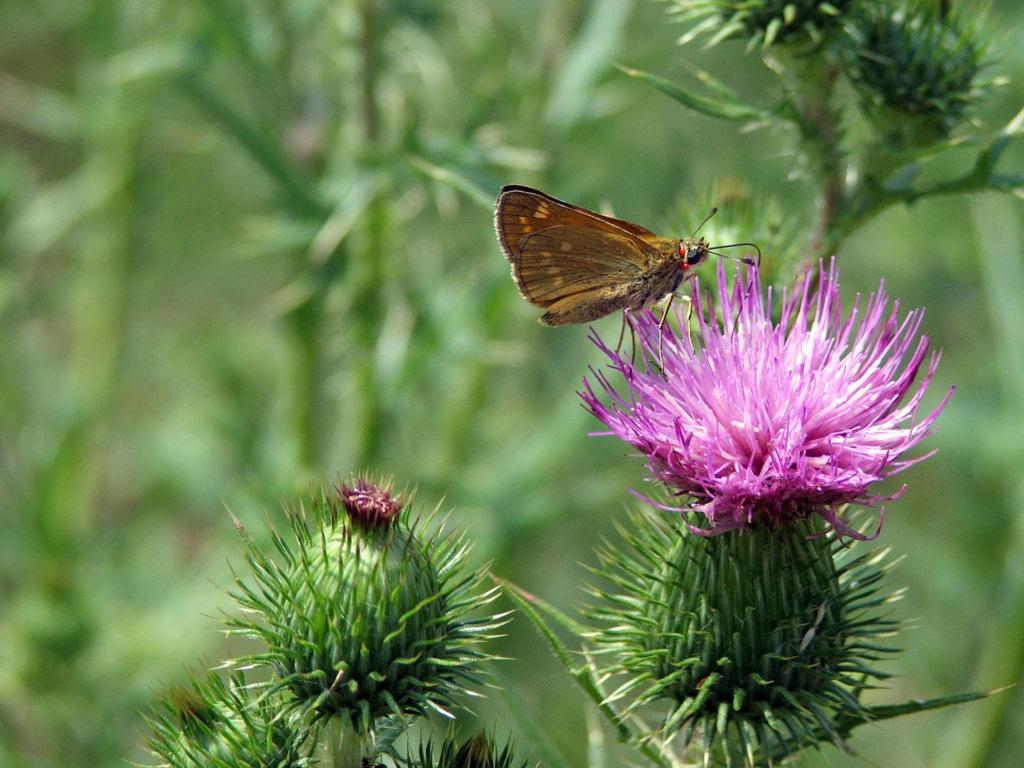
(346, 746)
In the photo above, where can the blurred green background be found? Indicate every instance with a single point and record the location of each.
(247, 246)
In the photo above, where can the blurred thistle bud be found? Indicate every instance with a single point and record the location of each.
(365, 617)
(477, 751)
(916, 64)
(225, 724)
(800, 23)
(759, 641)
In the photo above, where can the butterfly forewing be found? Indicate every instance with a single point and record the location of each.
(522, 211)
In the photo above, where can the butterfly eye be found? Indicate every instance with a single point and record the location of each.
(691, 255)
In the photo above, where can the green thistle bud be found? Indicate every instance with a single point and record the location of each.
(756, 641)
(765, 22)
(364, 617)
(917, 66)
(223, 724)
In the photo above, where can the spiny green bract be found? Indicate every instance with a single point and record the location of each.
(755, 639)
(478, 751)
(763, 22)
(364, 623)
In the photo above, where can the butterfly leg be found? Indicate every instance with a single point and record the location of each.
(632, 339)
(661, 332)
(627, 320)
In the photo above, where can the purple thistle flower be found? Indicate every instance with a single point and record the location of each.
(370, 503)
(772, 422)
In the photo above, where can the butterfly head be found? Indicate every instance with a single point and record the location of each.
(693, 253)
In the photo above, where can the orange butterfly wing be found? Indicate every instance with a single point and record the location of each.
(563, 261)
(576, 264)
(521, 211)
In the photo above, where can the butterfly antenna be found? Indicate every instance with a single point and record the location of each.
(742, 259)
(705, 221)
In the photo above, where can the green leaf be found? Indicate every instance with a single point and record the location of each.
(846, 723)
(359, 192)
(1016, 126)
(261, 146)
(731, 109)
(584, 62)
(532, 605)
(453, 179)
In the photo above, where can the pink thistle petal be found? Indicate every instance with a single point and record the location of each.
(770, 422)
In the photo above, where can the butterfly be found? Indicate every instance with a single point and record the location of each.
(579, 265)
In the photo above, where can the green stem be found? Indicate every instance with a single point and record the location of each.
(819, 123)
(972, 740)
(305, 321)
(369, 50)
(873, 199)
(583, 675)
(367, 316)
(369, 275)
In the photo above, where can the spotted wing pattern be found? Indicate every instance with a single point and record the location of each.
(523, 210)
(576, 264)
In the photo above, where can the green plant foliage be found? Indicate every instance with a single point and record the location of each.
(245, 245)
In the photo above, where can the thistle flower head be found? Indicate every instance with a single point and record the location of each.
(364, 622)
(370, 503)
(772, 422)
(478, 751)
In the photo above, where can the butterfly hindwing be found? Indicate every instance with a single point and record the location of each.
(564, 261)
